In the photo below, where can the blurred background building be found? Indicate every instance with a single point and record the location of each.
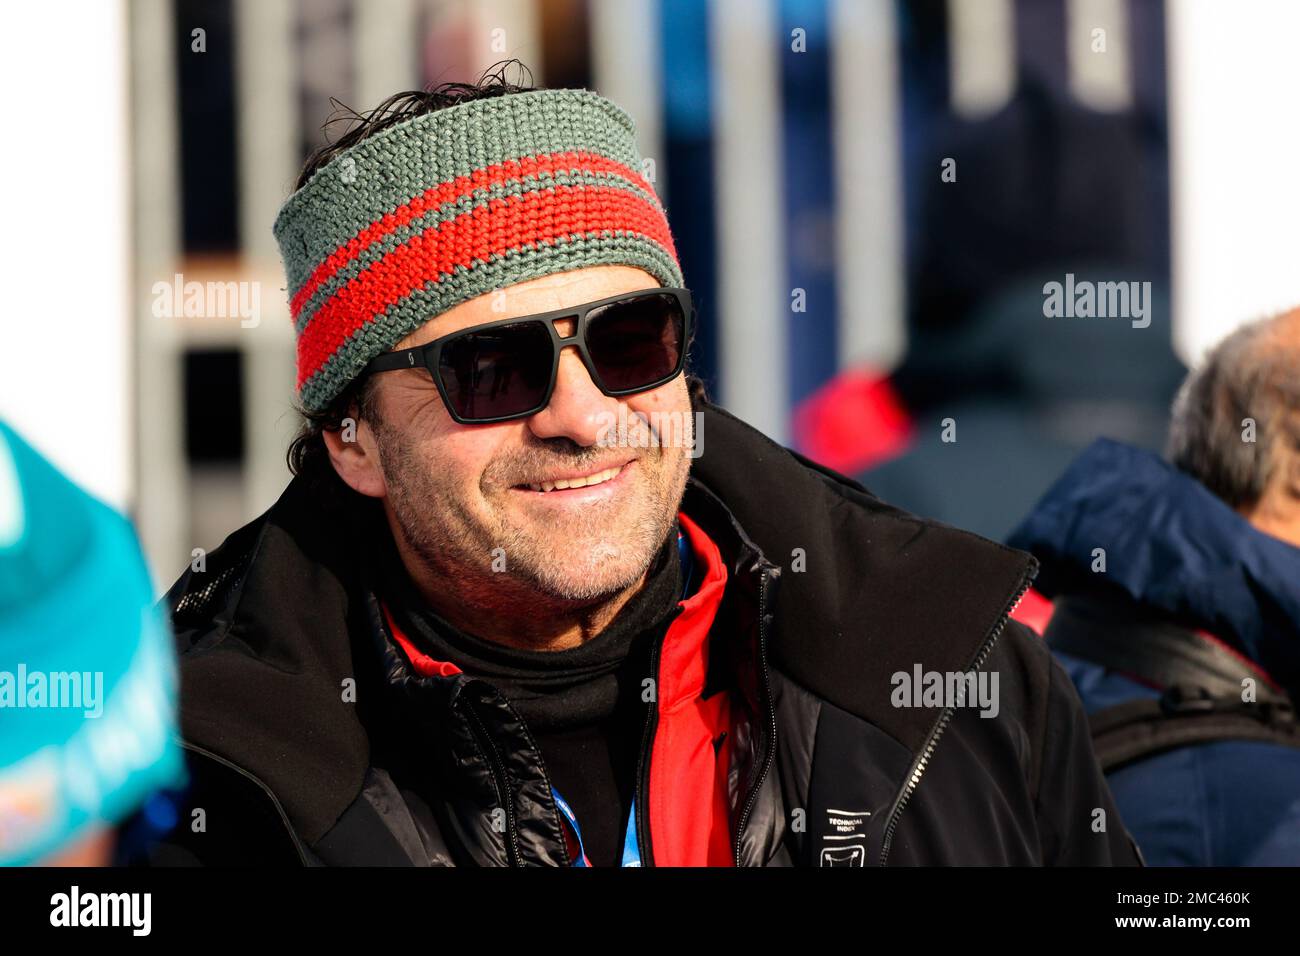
(868, 197)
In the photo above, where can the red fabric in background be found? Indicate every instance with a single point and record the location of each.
(853, 422)
(1034, 610)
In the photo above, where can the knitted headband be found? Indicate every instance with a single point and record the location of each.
(454, 204)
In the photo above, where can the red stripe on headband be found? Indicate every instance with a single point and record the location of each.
(542, 217)
(452, 191)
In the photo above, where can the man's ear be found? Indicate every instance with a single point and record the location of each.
(1278, 511)
(355, 455)
(1287, 494)
(1291, 474)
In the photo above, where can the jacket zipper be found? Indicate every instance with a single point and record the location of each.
(770, 750)
(643, 761)
(499, 779)
(652, 721)
(922, 761)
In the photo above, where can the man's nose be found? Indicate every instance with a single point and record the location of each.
(578, 410)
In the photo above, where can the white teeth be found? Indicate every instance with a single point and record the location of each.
(596, 479)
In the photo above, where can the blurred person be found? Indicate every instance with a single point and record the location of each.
(532, 599)
(1177, 608)
(1048, 186)
(88, 752)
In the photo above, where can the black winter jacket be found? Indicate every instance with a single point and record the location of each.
(831, 593)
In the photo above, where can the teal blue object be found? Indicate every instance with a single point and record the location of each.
(87, 672)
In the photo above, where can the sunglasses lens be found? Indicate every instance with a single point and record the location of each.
(497, 372)
(638, 342)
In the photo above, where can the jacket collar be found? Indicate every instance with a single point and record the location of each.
(1172, 545)
(867, 590)
(271, 677)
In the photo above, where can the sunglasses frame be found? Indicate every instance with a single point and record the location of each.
(429, 355)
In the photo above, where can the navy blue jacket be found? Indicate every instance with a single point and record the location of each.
(1173, 546)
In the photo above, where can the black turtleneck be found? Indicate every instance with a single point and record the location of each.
(582, 705)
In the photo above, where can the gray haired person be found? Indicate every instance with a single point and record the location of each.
(1177, 608)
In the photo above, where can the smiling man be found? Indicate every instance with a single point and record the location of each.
(532, 599)
(573, 517)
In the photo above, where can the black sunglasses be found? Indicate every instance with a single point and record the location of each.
(506, 369)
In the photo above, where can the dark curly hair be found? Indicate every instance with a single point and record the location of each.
(307, 455)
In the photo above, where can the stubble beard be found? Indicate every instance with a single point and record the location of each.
(512, 556)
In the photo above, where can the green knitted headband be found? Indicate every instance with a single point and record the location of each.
(454, 204)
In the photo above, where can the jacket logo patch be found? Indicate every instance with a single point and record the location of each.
(845, 840)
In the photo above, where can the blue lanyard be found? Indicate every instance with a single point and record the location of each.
(631, 852)
(688, 564)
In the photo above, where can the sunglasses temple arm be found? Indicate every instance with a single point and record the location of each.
(391, 361)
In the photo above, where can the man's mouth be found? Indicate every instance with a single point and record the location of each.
(576, 481)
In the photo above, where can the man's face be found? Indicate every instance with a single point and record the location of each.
(459, 496)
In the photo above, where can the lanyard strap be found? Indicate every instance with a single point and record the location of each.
(688, 563)
(631, 853)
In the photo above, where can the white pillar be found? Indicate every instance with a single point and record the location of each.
(386, 44)
(163, 488)
(1097, 43)
(870, 267)
(66, 355)
(754, 300)
(1234, 140)
(982, 55)
(267, 114)
(506, 29)
(626, 58)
